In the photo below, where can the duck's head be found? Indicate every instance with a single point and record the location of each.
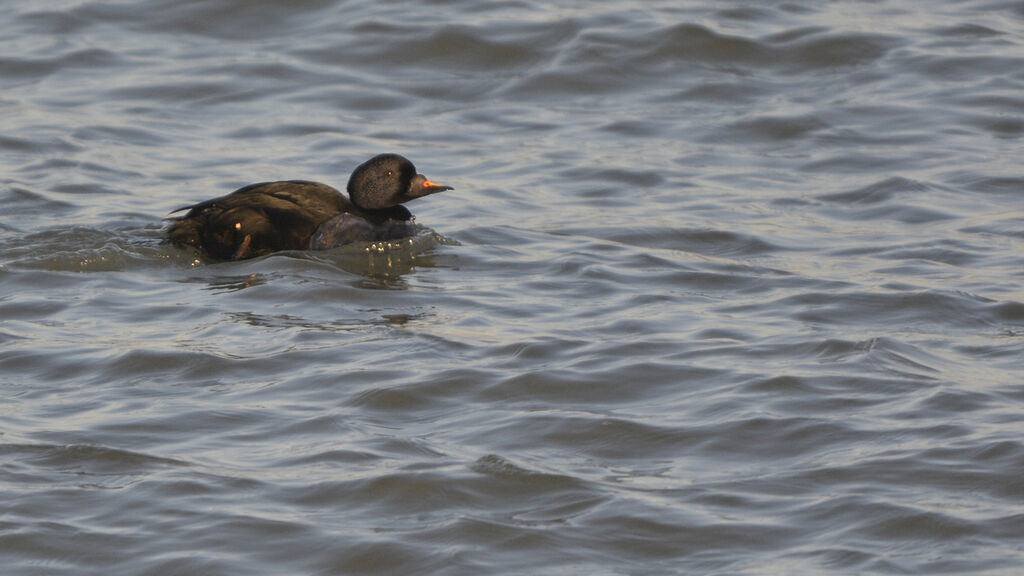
(388, 180)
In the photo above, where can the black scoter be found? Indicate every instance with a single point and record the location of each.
(299, 215)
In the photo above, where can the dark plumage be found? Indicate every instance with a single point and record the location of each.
(298, 215)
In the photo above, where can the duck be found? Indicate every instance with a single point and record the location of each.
(268, 217)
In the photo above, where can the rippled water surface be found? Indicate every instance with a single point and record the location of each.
(723, 288)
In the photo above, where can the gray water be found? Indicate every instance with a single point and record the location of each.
(723, 288)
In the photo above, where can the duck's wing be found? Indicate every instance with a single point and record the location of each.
(258, 219)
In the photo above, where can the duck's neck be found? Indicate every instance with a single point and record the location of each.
(379, 215)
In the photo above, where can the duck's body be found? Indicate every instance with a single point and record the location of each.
(299, 215)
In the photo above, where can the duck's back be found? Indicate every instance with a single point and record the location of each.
(259, 219)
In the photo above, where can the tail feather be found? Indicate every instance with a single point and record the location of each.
(185, 232)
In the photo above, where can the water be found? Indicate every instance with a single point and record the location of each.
(723, 288)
